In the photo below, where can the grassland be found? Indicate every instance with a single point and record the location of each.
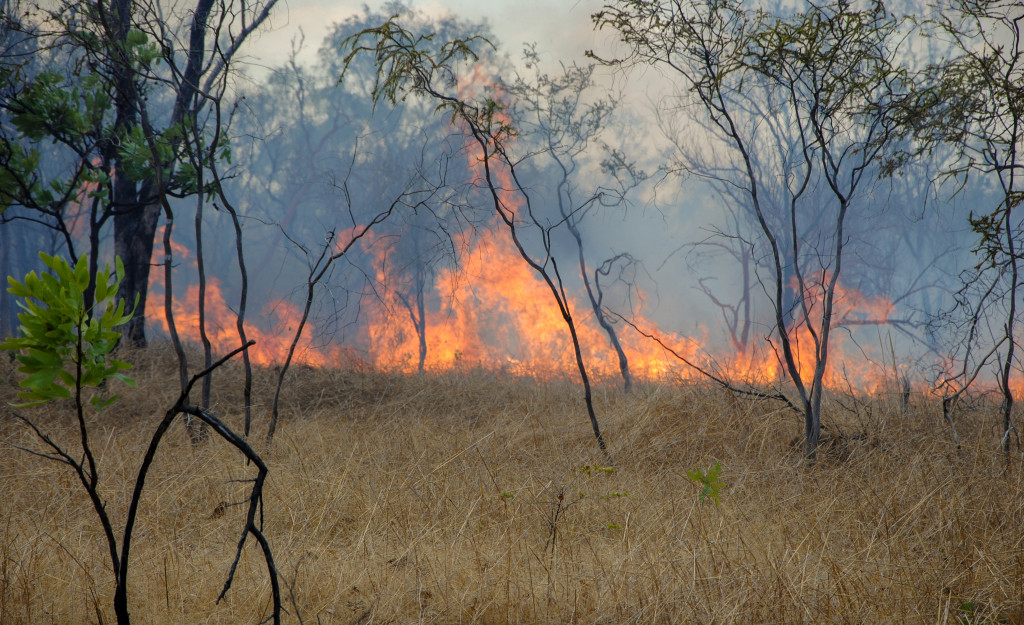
(466, 498)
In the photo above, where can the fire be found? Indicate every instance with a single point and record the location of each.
(271, 344)
(496, 312)
(493, 311)
(851, 308)
(278, 321)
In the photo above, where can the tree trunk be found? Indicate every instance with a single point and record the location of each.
(812, 421)
(137, 205)
(134, 232)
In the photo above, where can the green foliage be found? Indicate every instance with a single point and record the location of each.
(67, 114)
(407, 62)
(139, 48)
(708, 481)
(991, 229)
(52, 109)
(21, 164)
(62, 346)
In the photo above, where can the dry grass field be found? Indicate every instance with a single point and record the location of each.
(466, 498)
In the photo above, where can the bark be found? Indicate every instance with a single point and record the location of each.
(137, 205)
(134, 233)
(1011, 319)
(595, 295)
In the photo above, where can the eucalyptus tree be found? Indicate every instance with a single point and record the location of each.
(829, 76)
(562, 119)
(121, 117)
(412, 64)
(973, 105)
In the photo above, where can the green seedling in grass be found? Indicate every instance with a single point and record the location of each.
(64, 346)
(708, 481)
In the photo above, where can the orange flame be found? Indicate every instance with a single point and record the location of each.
(499, 314)
(495, 312)
(273, 334)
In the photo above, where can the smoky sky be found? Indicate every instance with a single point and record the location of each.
(561, 30)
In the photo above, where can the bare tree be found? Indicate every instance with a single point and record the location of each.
(335, 248)
(972, 102)
(830, 75)
(407, 63)
(738, 307)
(552, 111)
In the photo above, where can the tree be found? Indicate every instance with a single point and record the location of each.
(408, 64)
(64, 348)
(974, 102)
(106, 112)
(553, 113)
(829, 77)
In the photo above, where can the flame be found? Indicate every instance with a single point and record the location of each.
(851, 308)
(495, 312)
(273, 333)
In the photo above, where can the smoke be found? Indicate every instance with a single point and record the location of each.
(438, 284)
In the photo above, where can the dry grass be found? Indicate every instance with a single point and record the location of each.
(457, 499)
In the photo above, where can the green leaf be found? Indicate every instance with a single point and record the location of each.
(40, 381)
(127, 380)
(709, 482)
(100, 402)
(57, 331)
(29, 404)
